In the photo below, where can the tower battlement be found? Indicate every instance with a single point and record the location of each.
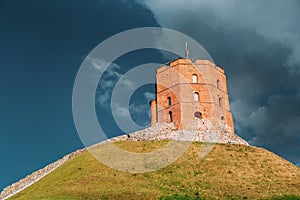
(188, 91)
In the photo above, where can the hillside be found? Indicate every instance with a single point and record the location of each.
(227, 172)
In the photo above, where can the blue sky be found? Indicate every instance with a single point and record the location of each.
(43, 43)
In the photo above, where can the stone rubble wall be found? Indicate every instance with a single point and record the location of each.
(204, 131)
(35, 176)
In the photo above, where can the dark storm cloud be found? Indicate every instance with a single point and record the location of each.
(257, 43)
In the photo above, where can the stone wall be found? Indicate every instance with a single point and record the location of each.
(35, 176)
(201, 131)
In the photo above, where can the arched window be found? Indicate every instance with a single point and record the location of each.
(220, 102)
(170, 116)
(196, 96)
(169, 101)
(198, 115)
(222, 118)
(195, 78)
(218, 83)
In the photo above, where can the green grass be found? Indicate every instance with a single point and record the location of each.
(287, 197)
(227, 172)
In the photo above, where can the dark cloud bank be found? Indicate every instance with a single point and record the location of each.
(257, 43)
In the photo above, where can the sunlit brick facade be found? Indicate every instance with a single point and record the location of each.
(187, 91)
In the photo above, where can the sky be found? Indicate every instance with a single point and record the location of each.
(43, 43)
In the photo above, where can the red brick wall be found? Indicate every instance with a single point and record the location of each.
(176, 81)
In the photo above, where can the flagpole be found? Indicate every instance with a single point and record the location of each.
(186, 50)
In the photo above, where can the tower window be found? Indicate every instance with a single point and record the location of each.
(196, 96)
(220, 102)
(195, 78)
(198, 115)
(222, 118)
(169, 101)
(218, 83)
(170, 116)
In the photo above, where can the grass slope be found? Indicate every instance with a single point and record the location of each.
(227, 172)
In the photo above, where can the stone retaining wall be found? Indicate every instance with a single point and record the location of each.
(205, 131)
(35, 176)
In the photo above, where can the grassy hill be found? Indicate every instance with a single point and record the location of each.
(227, 172)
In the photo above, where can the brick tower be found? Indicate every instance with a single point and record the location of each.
(188, 91)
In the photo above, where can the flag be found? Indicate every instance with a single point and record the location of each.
(186, 50)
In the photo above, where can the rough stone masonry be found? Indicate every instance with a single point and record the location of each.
(204, 132)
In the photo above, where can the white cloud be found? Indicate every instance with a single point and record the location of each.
(103, 98)
(100, 64)
(110, 76)
(138, 109)
(131, 117)
(127, 83)
(149, 96)
(111, 79)
(120, 111)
